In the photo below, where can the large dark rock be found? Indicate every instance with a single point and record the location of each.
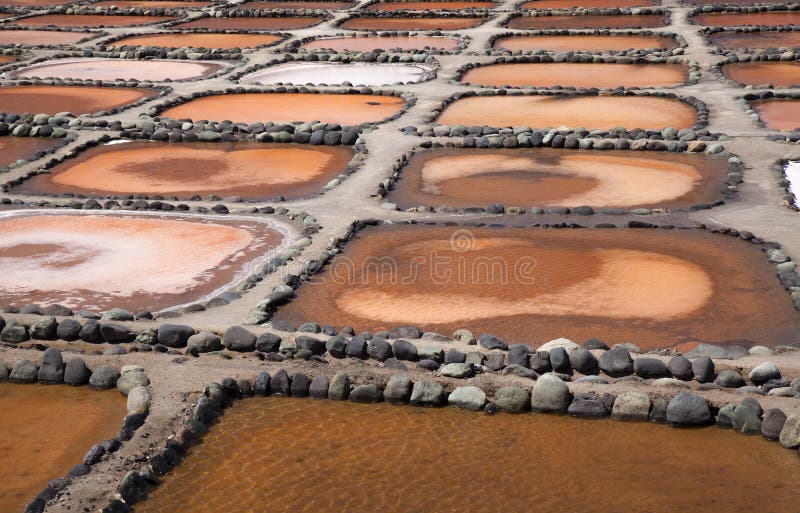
(76, 373)
(587, 405)
(69, 329)
(339, 389)
(203, 342)
(427, 393)
(268, 343)
(337, 346)
(650, 368)
(411, 332)
(491, 342)
(104, 377)
(595, 343)
(52, 369)
(518, 354)
(687, 409)
(366, 394)
(90, 332)
(279, 384)
(616, 362)
(703, 369)
(494, 360)
(453, 355)
(404, 350)
(559, 359)
(116, 333)
(398, 389)
(261, 386)
(44, 329)
(583, 361)
(24, 371)
(379, 349)
(730, 379)
(319, 387)
(681, 368)
(14, 333)
(772, 423)
(300, 384)
(746, 417)
(550, 394)
(239, 339)
(764, 372)
(357, 347)
(540, 362)
(315, 345)
(174, 335)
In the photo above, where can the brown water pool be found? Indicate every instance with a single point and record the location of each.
(580, 75)
(733, 19)
(151, 4)
(4, 59)
(589, 43)
(379, 457)
(199, 40)
(116, 69)
(46, 430)
(330, 5)
(346, 109)
(550, 177)
(78, 100)
(587, 21)
(586, 4)
(431, 5)
(35, 3)
(41, 37)
(13, 149)
(263, 23)
(777, 73)
(592, 112)
(778, 114)
(739, 40)
(185, 170)
(370, 43)
(90, 20)
(411, 23)
(656, 288)
(139, 262)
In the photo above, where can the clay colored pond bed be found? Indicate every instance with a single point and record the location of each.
(586, 4)
(78, 100)
(548, 177)
(46, 430)
(567, 74)
(250, 170)
(451, 5)
(346, 109)
(587, 21)
(150, 4)
(115, 69)
(656, 287)
(412, 23)
(247, 23)
(143, 262)
(199, 40)
(16, 148)
(739, 19)
(41, 37)
(356, 73)
(739, 40)
(370, 43)
(779, 74)
(260, 437)
(778, 114)
(590, 43)
(592, 112)
(91, 20)
(331, 5)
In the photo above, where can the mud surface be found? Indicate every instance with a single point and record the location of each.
(77, 100)
(591, 43)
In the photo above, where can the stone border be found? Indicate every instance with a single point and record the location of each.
(255, 13)
(707, 32)
(733, 179)
(294, 45)
(90, 35)
(790, 200)
(364, 8)
(593, 12)
(747, 98)
(759, 56)
(678, 50)
(187, 137)
(53, 370)
(692, 69)
(488, 16)
(731, 9)
(207, 53)
(61, 136)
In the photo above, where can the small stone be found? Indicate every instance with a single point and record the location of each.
(427, 393)
(512, 399)
(790, 434)
(687, 409)
(492, 342)
(76, 373)
(568, 345)
(468, 398)
(52, 369)
(764, 372)
(239, 339)
(24, 371)
(631, 406)
(339, 389)
(398, 389)
(589, 405)
(650, 368)
(703, 369)
(729, 379)
(104, 377)
(681, 368)
(138, 400)
(550, 395)
(616, 362)
(368, 393)
(772, 423)
(457, 370)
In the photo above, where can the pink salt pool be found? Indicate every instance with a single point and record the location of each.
(584, 42)
(586, 4)
(199, 40)
(778, 113)
(41, 37)
(356, 73)
(740, 40)
(154, 262)
(370, 43)
(586, 21)
(412, 23)
(90, 20)
(740, 19)
(114, 69)
(431, 5)
(151, 4)
(261, 23)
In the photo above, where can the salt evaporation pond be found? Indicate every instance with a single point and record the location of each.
(138, 262)
(247, 23)
(579, 75)
(591, 112)
(380, 457)
(46, 431)
(91, 20)
(584, 42)
(36, 3)
(777, 73)
(370, 43)
(325, 73)
(778, 113)
(792, 172)
(41, 37)
(432, 5)
(739, 19)
(75, 99)
(548, 177)
(251, 170)
(329, 5)
(739, 40)
(412, 23)
(587, 21)
(116, 69)
(586, 4)
(658, 288)
(198, 40)
(13, 149)
(345, 109)
(151, 4)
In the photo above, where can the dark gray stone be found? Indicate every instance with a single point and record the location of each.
(540, 362)
(658, 410)
(116, 333)
(595, 343)
(76, 373)
(315, 345)
(90, 332)
(300, 385)
(730, 379)
(69, 329)
(319, 387)
(687, 409)
(337, 346)
(366, 394)
(398, 389)
(261, 386)
(453, 355)
(174, 335)
(339, 389)
(584, 362)
(411, 332)
(239, 339)
(518, 354)
(104, 377)
(616, 362)
(268, 343)
(52, 369)
(24, 371)
(357, 347)
(404, 350)
(559, 359)
(14, 333)
(491, 342)
(681, 368)
(746, 417)
(650, 368)
(703, 369)
(45, 328)
(588, 405)
(772, 423)
(279, 384)
(379, 349)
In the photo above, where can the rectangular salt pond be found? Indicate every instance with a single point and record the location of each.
(792, 172)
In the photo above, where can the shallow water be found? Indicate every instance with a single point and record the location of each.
(547, 177)
(150, 4)
(655, 288)
(136, 262)
(779, 74)
(16, 148)
(185, 170)
(346, 109)
(778, 114)
(340, 456)
(46, 430)
(90, 20)
(357, 73)
(591, 112)
(745, 18)
(35, 3)
(582, 75)
(114, 69)
(734, 40)
(590, 43)
(586, 4)
(368, 44)
(428, 23)
(199, 40)
(78, 100)
(40, 37)
(263, 23)
(296, 5)
(431, 5)
(792, 172)
(587, 21)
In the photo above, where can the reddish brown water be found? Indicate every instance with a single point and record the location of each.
(150, 4)
(744, 18)
(368, 44)
(40, 37)
(589, 43)
(779, 74)
(346, 109)
(446, 5)
(778, 114)
(592, 112)
(199, 40)
(132, 261)
(730, 2)
(411, 23)
(734, 40)
(184, 170)
(569, 74)
(296, 5)
(655, 287)
(116, 69)
(35, 3)
(586, 4)
(16, 148)
(91, 20)
(7, 58)
(586, 21)
(547, 177)
(263, 23)
(46, 431)
(78, 100)
(411, 460)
